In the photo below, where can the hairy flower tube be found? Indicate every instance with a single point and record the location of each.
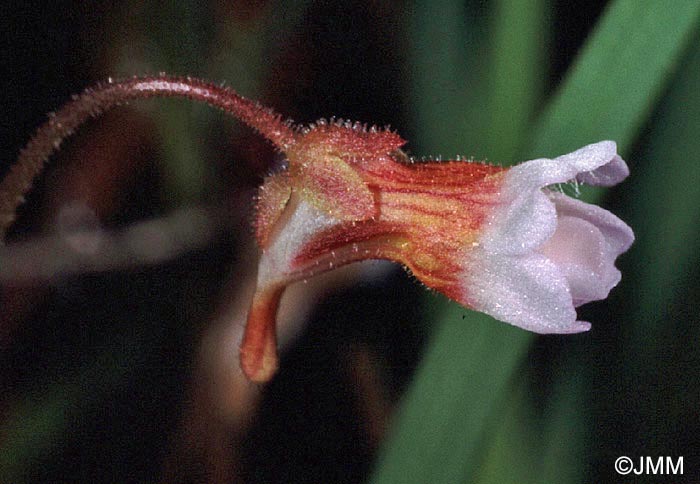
(494, 239)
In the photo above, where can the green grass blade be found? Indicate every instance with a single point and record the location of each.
(539, 435)
(665, 203)
(446, 407)
(517, 77)
(445, 79)
(615, 84)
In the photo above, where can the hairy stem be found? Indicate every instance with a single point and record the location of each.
(94, 101)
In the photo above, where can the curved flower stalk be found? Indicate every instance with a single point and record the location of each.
(494, 239)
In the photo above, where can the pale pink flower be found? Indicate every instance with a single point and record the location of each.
(498, 240)
(542, 253)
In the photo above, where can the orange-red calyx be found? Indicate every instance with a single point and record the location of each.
(351, 194)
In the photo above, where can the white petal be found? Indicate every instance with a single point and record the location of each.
(524, 219)
(543, 171)
(304, 221)
(520, 226)
(527, 291)
(618, 235)
(607, 175)
(581, 253)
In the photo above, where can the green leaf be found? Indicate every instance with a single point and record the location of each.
(664, 202)
(444, 428)
(517, 77)
(538, 436)
(516, 438)
(439, 434)
(446, 82)
(615, 84)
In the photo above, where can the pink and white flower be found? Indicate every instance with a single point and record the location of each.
(494, 239)
(498, 240)
(542, 253)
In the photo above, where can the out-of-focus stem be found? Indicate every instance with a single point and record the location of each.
(94, 101)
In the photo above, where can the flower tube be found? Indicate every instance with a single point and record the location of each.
(494, 239)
